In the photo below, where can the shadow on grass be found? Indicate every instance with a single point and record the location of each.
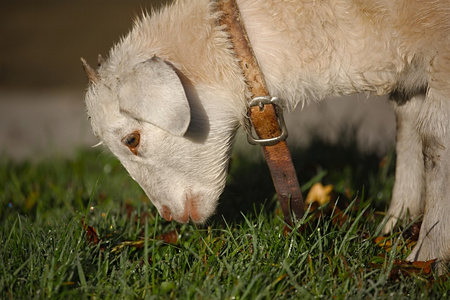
(92, 178)
(249, 183)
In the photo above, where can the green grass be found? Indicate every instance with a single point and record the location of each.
(45, 251)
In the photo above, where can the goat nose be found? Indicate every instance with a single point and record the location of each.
(166, 213)
(190, 210)
(195, 215)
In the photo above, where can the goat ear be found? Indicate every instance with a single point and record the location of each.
(153, 93)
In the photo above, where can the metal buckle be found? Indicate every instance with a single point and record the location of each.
(276, 102)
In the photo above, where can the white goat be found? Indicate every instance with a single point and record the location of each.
(170, 97)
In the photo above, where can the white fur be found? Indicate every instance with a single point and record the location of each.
(307, 50)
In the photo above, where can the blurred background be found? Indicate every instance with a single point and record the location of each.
(42, 83)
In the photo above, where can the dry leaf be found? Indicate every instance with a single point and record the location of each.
(135, 244)
(91, 233)
(413, 231)
(130, 210)
(402, 267)
(324, 202)
(407, 268)
(386, 243)
(319, 193)
(170, 237)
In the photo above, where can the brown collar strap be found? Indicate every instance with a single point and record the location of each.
(265, 113)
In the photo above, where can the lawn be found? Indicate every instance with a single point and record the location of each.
(82, 228)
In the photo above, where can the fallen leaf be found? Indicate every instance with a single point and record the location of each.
(319, 193)
(91, 233)
(407, 268)
(413, 231)
(135, 244)
(386, 243)
(131, 211)
(170, 237)
(339, 217)
(403, 268)
(324, 202)
(426, 266)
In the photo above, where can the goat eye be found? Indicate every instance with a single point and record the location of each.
(132, 141)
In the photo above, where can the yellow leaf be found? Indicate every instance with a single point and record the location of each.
(387, 244)
(319, 193)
